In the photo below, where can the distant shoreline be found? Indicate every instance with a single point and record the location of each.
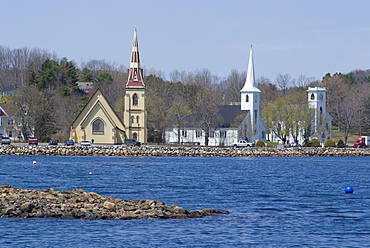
(169, 151)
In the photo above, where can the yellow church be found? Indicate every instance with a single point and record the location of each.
(99, 122)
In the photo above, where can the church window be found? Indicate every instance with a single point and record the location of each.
(134, 136)
(132, 119)
(312, 96)
(255, 115)
(321, 97)
(246, 98)
(135, 76)
(184, 133)
(98, 127)
(135, 100)
(137, 119)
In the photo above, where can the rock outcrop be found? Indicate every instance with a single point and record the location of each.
(166, 151)
(79, 204)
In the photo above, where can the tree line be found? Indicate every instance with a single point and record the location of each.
(49, 99)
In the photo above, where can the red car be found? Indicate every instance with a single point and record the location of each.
(33, 141)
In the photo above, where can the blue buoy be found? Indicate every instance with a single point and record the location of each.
(348, 190)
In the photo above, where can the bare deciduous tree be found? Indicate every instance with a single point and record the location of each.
(283, 82)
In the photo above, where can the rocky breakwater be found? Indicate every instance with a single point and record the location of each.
(78, 204)
(118, 150)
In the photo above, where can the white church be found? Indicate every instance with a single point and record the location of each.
(321, 124)
(239, 121)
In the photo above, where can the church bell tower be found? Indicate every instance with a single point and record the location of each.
(135, 113)
(250, 100)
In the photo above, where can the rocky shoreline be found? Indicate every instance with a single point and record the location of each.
(78, 204)
(167, 151)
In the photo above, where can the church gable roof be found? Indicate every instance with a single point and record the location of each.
(231, 116)
(98, 101)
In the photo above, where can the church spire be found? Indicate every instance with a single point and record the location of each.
(135, 73)
(250, 82)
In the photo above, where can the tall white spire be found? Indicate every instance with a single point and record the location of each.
(250, 82)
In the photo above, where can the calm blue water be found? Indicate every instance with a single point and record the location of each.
(273, 202)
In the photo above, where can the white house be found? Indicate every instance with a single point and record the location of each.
(225, 133)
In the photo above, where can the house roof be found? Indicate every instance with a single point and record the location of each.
(8, 109)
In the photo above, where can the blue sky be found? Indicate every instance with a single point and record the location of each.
(296, 37)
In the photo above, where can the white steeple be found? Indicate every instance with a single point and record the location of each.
(250, 101)
(250, 82)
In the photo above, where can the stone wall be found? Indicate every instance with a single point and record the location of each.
(179, 151)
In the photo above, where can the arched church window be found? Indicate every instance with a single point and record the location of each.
(246, 98)
(98, 127)
(135, 100)
(321, 97)
(320, 110)
(255, 115)
(312, 96)
(132, 119)
(137, 119)
(134, 136)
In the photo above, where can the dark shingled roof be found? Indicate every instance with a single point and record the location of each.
(228, 114)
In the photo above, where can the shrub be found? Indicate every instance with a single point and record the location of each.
(315, 143)
(329, 143)
(340, 144)
(260, 143)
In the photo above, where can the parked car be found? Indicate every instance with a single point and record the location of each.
(53, 142)
(33, 141)
(85, 143)
(69, 142)
(295, 144)
(5, 141)
(132, 142)
(243, 143)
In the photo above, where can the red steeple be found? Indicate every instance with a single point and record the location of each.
(135, 73)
